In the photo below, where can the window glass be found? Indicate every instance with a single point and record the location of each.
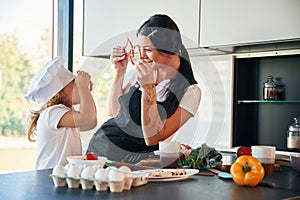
(100, 69)
(26, 44)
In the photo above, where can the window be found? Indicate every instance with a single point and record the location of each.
(25, 43)
(29, 32)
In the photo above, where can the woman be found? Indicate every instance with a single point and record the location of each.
(160, 96)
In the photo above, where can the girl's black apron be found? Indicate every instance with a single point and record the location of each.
(121, 136)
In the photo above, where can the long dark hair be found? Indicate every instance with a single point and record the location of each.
(165, 36)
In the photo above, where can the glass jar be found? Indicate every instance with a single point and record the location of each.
(270, 91)
(280, 87)
(293, 135)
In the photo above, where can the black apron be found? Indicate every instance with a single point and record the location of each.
(122, 136)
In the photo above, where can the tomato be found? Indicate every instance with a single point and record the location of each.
(247, 171)
(244, 151)
(185, 150)
(185, 146)
(181, 156)
(90, 156)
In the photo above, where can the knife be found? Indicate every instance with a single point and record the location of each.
(130, 165)
(220, 174)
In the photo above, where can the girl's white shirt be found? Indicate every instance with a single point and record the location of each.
(190, 100)
(54, 144)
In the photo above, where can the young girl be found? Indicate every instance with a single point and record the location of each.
(57, 125)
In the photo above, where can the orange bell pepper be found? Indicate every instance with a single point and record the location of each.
(247, 171)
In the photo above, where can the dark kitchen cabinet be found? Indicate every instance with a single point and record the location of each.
(257, 121)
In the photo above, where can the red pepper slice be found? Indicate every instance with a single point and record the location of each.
(130, 54)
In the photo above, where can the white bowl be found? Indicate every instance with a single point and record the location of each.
(78, 160)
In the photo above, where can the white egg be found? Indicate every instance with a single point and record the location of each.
(74, 171)
(59, 170)
(88, 172)
(126, 171)
(67, 166)
(101, 174)
(110, 167)
(115, 175)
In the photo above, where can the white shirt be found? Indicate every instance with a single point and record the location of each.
(54, 144)
(190, 100)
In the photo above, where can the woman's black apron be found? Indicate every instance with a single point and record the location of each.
(122, 136)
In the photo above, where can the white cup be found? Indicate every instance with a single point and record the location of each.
(169, 147)
(266, 155)
(169, 153)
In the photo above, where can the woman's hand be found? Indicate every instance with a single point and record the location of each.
(144, 70)
(119, 59)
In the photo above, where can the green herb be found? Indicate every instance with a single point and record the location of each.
(199, 157)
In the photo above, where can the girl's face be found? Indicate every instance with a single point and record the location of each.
(71, 93)
(75, 94)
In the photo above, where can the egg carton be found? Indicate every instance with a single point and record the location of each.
(92, 177)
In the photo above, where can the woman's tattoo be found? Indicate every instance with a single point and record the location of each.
(150, 93)
(155, 124)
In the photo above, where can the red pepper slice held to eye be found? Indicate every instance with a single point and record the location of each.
(130, 54)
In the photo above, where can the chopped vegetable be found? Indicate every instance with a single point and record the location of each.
(131, 53)
(185, 150)
(199, 158)
(90, 156)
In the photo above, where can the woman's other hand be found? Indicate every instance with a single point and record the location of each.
(119, 59)
(145, 71)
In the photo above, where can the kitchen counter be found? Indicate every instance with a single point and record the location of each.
(38, 185)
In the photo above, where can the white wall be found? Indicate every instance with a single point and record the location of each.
(213, 121)
(108, 23)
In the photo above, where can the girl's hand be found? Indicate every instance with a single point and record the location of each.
(83, 79)
(119, 59)
(145, 72)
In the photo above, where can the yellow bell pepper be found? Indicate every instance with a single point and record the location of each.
(247, 171)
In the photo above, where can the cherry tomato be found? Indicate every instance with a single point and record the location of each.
(243, 151)
(181, 156)
(90, 156)
(185, 146)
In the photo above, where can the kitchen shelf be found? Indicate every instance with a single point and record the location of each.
(267, 101)
(264, 122)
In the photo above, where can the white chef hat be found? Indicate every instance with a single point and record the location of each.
(48, 81)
